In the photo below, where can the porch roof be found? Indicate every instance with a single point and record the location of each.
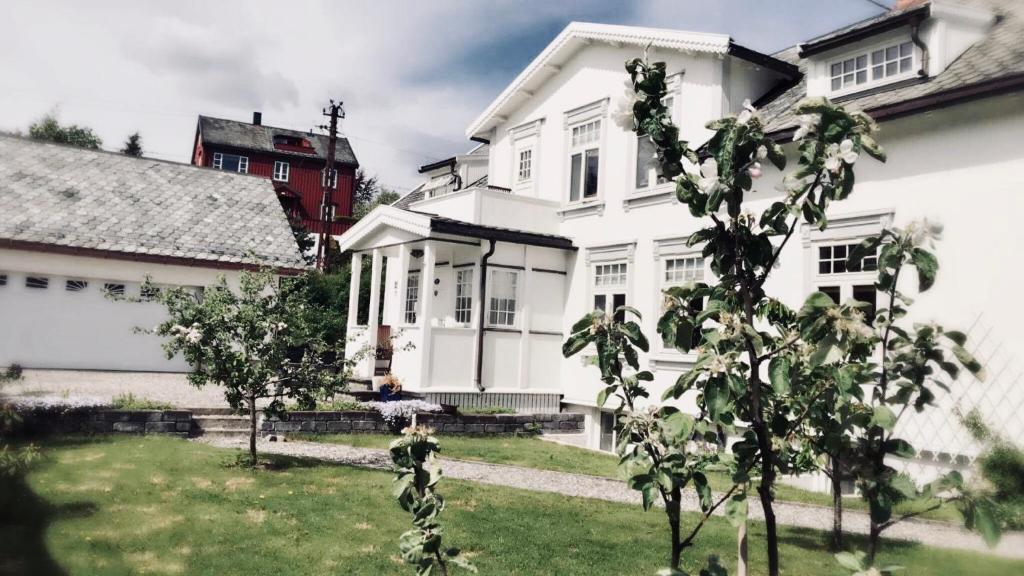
(426, 225)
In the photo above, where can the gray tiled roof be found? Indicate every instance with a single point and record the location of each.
(252, 137)
(86, 199)
(999, 54)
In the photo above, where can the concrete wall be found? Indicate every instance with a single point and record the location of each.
(357, 421)
(101, 421)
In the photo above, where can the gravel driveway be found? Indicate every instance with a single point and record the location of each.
(104, 386)
(937, 534)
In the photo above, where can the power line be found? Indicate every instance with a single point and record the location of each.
(879, 4)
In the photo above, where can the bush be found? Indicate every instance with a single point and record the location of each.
(12, 373)
(130, 402)
(340, 405)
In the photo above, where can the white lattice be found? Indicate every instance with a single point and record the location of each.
(941, 440)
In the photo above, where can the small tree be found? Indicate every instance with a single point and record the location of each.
(133, 145)
(49, 129)
(256, 342)
(418, 472)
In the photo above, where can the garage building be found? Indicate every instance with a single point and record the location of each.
(77, 224)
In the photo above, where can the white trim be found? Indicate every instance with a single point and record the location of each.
(517, 303)
(383, 217)
(571, 39)
(285, 171)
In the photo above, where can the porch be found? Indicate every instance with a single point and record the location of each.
(462, 313)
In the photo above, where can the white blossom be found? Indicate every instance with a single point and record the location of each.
(807, 123)
(923, 232)
(623, 114)
(836, 154)
(747, 114)
(708, 176)
(755, 170)
(762, 152)
(391, 412)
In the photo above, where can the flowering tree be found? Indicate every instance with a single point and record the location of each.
(418, 472)
(256, 342)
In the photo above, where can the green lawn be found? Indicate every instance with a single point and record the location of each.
(536, 453)
(132, 505)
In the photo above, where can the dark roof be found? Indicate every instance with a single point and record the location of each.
(449, 226)
(996, 62)
(66, 199)
(439, 164)
(245, 136)
(876, 24)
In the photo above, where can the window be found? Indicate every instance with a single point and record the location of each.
(584, 161)
(861, 292)
(610, 282)
(832, 260)
(886, 62)
(37, 282)
(148, 292)
(679, 272)
(608, 431)
(329, 178)
(464, 296)
(525, 164)
(231, 162)
(646, 155)
(281, 170)
(328, 211)
(113, 289)
(3, 279)
(75, 285)
(502, 302)
(412, 297)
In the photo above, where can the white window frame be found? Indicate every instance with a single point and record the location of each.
(525, 138)
(575, 119)
(867, 51)
(516, 305)
(37, 282)
(666, 250)
(463, 309)
(673, 88)
(333, 183)
(524, 172)
(243, 162)
(608, 279)
(282, 170)
(411, 298)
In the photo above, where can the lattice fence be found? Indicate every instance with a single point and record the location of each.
(941, 440)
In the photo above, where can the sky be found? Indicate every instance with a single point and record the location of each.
(412, 74)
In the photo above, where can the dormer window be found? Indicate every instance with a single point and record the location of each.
(293, 143)
(871, 66)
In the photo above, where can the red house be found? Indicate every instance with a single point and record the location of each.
(294, 160)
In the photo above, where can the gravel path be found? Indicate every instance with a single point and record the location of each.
(100, 386)
(935, 534)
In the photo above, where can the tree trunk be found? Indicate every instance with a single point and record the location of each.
(741, 549)
(252, 430)
(672, 508)
(764, 490)
(837, 505)
(873, 535)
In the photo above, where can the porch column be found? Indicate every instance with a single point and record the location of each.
(402, 278)
(525, 296)
(373, 322)
(426, 309)
(353, 289)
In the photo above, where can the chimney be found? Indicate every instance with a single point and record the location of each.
(257, 118)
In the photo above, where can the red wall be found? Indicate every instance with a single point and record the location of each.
(303, 177)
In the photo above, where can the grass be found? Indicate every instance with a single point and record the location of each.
(130, 402)
(131, 505)
(485, 410)
(536, 453)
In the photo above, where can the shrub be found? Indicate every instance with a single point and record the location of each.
(486, 410)
(12, 373)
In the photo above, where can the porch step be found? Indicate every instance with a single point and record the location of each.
(213, 412)
(219, 425)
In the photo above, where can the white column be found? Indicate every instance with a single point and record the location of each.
(373, 321)
(402, 275)
(524, 319)
(425, 318)
(353, 289)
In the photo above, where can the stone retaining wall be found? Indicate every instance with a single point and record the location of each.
(368, 421)
(101, 421)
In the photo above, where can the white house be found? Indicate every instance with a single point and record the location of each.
(77, 224)
(468, 280)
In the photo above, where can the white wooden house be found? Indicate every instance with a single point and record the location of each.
(575, 217)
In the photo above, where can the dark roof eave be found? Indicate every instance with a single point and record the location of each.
(446, 226)
(143, 257)
(788, 70)
(438, 164)
(931, 101)
(915, 14)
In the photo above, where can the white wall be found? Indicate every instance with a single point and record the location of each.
(55, 328)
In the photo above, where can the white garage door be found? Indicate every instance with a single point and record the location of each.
(49, 321)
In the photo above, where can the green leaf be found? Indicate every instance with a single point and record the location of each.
(969, 362)
(958, 338)
(573, 345)
(884, 418)
(602, 396)
(778, 374)
(904, 485)
(816, 301)
(869, 145)
(927, 267)
(851, 560)
(736, 509)
(986, 523)
(900, 448)
(716, 396)
(700, 484)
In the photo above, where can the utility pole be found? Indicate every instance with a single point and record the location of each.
(328, 182)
